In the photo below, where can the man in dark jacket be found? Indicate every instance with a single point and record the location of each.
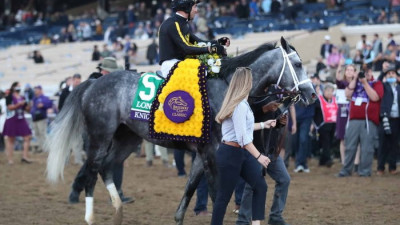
(390, 122)
(76, 80)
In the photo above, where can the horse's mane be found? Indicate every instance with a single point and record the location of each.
(229, 65)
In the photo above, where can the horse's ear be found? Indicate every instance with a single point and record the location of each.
(285, 45)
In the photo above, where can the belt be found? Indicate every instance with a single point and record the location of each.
(232, 143)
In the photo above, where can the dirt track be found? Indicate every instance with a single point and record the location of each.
(316, 198)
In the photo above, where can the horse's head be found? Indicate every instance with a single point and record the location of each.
(282, 66)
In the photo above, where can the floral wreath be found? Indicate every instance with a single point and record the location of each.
(211, 61)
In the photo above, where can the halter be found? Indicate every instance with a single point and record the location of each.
(292, 72)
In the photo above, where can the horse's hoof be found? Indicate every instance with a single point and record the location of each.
(73, 197)
(118, 216)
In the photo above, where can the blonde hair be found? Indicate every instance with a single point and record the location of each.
(347, 66)
(238, 89)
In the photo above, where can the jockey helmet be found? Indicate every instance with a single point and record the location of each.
(183, 5)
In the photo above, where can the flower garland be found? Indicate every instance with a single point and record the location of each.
(189, 76)
(211, 61)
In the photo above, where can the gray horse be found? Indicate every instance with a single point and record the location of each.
(101, 109)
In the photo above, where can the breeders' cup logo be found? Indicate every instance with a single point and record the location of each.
(177, 104)
(179, 107)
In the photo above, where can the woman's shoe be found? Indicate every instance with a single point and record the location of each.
(27, 161)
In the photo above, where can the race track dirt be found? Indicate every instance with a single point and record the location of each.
(317, 198)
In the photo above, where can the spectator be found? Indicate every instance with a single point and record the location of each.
(149, 30)
(358, 58)
(324, 123)
(168, 14)
(150, 148)
(377, 45)
(326, 48)
(105, 53)
(71, 33)
(98, 28)
(394, 18)
(391, 40)
(368, 55)
(342, 81)
(45, 40)
(365, 94)
(389, 128)
(275, 7)
(382, 18)
(333, 60)
(109, 65)
(127, 44)
(243, 10)
(37, 57)
(96, 53)
(360, 43)
(320, 65)
(16, 124)
(3, 112)
(253, 6)
(40, 105)
(152, 52)
(266, 6)
(301, 139)
(76, 80)
(159, 16)
(131, 17)
(140, 33)
(344, 48)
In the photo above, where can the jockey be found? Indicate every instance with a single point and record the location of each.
(177, 41)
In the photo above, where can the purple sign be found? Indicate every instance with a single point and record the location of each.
(178, 106)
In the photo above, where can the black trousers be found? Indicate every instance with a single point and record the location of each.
(326, 135)
(388, 146)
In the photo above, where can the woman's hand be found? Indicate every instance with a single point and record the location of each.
(269, 123)
(264, 160)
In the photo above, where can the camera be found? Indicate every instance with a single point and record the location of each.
(386, 125)
(361, 74)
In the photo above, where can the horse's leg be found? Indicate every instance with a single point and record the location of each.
(96, 154)
(194, 178)
(123, 144)
(208, 157)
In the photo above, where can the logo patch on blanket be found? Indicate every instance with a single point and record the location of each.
(181, 110)
(145, 95)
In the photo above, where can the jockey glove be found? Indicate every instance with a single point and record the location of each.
(223, 40)
(219, 49)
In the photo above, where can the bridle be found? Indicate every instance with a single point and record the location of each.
(286, 60)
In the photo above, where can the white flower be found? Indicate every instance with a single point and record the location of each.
(218, 62)
(215, 69)
(210, 62)
(201, 44)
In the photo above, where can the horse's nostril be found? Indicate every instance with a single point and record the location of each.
(313, 96)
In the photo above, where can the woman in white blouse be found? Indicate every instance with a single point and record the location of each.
(237, 156)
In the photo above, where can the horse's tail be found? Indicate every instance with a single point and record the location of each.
(65, 133)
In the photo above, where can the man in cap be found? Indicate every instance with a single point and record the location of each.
(109, 65)
(40, 105)
(176, 40)
(326, 47)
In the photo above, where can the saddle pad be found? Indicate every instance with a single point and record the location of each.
(146, 92)
(181, 110)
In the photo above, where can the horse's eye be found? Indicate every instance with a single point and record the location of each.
(298, 65)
